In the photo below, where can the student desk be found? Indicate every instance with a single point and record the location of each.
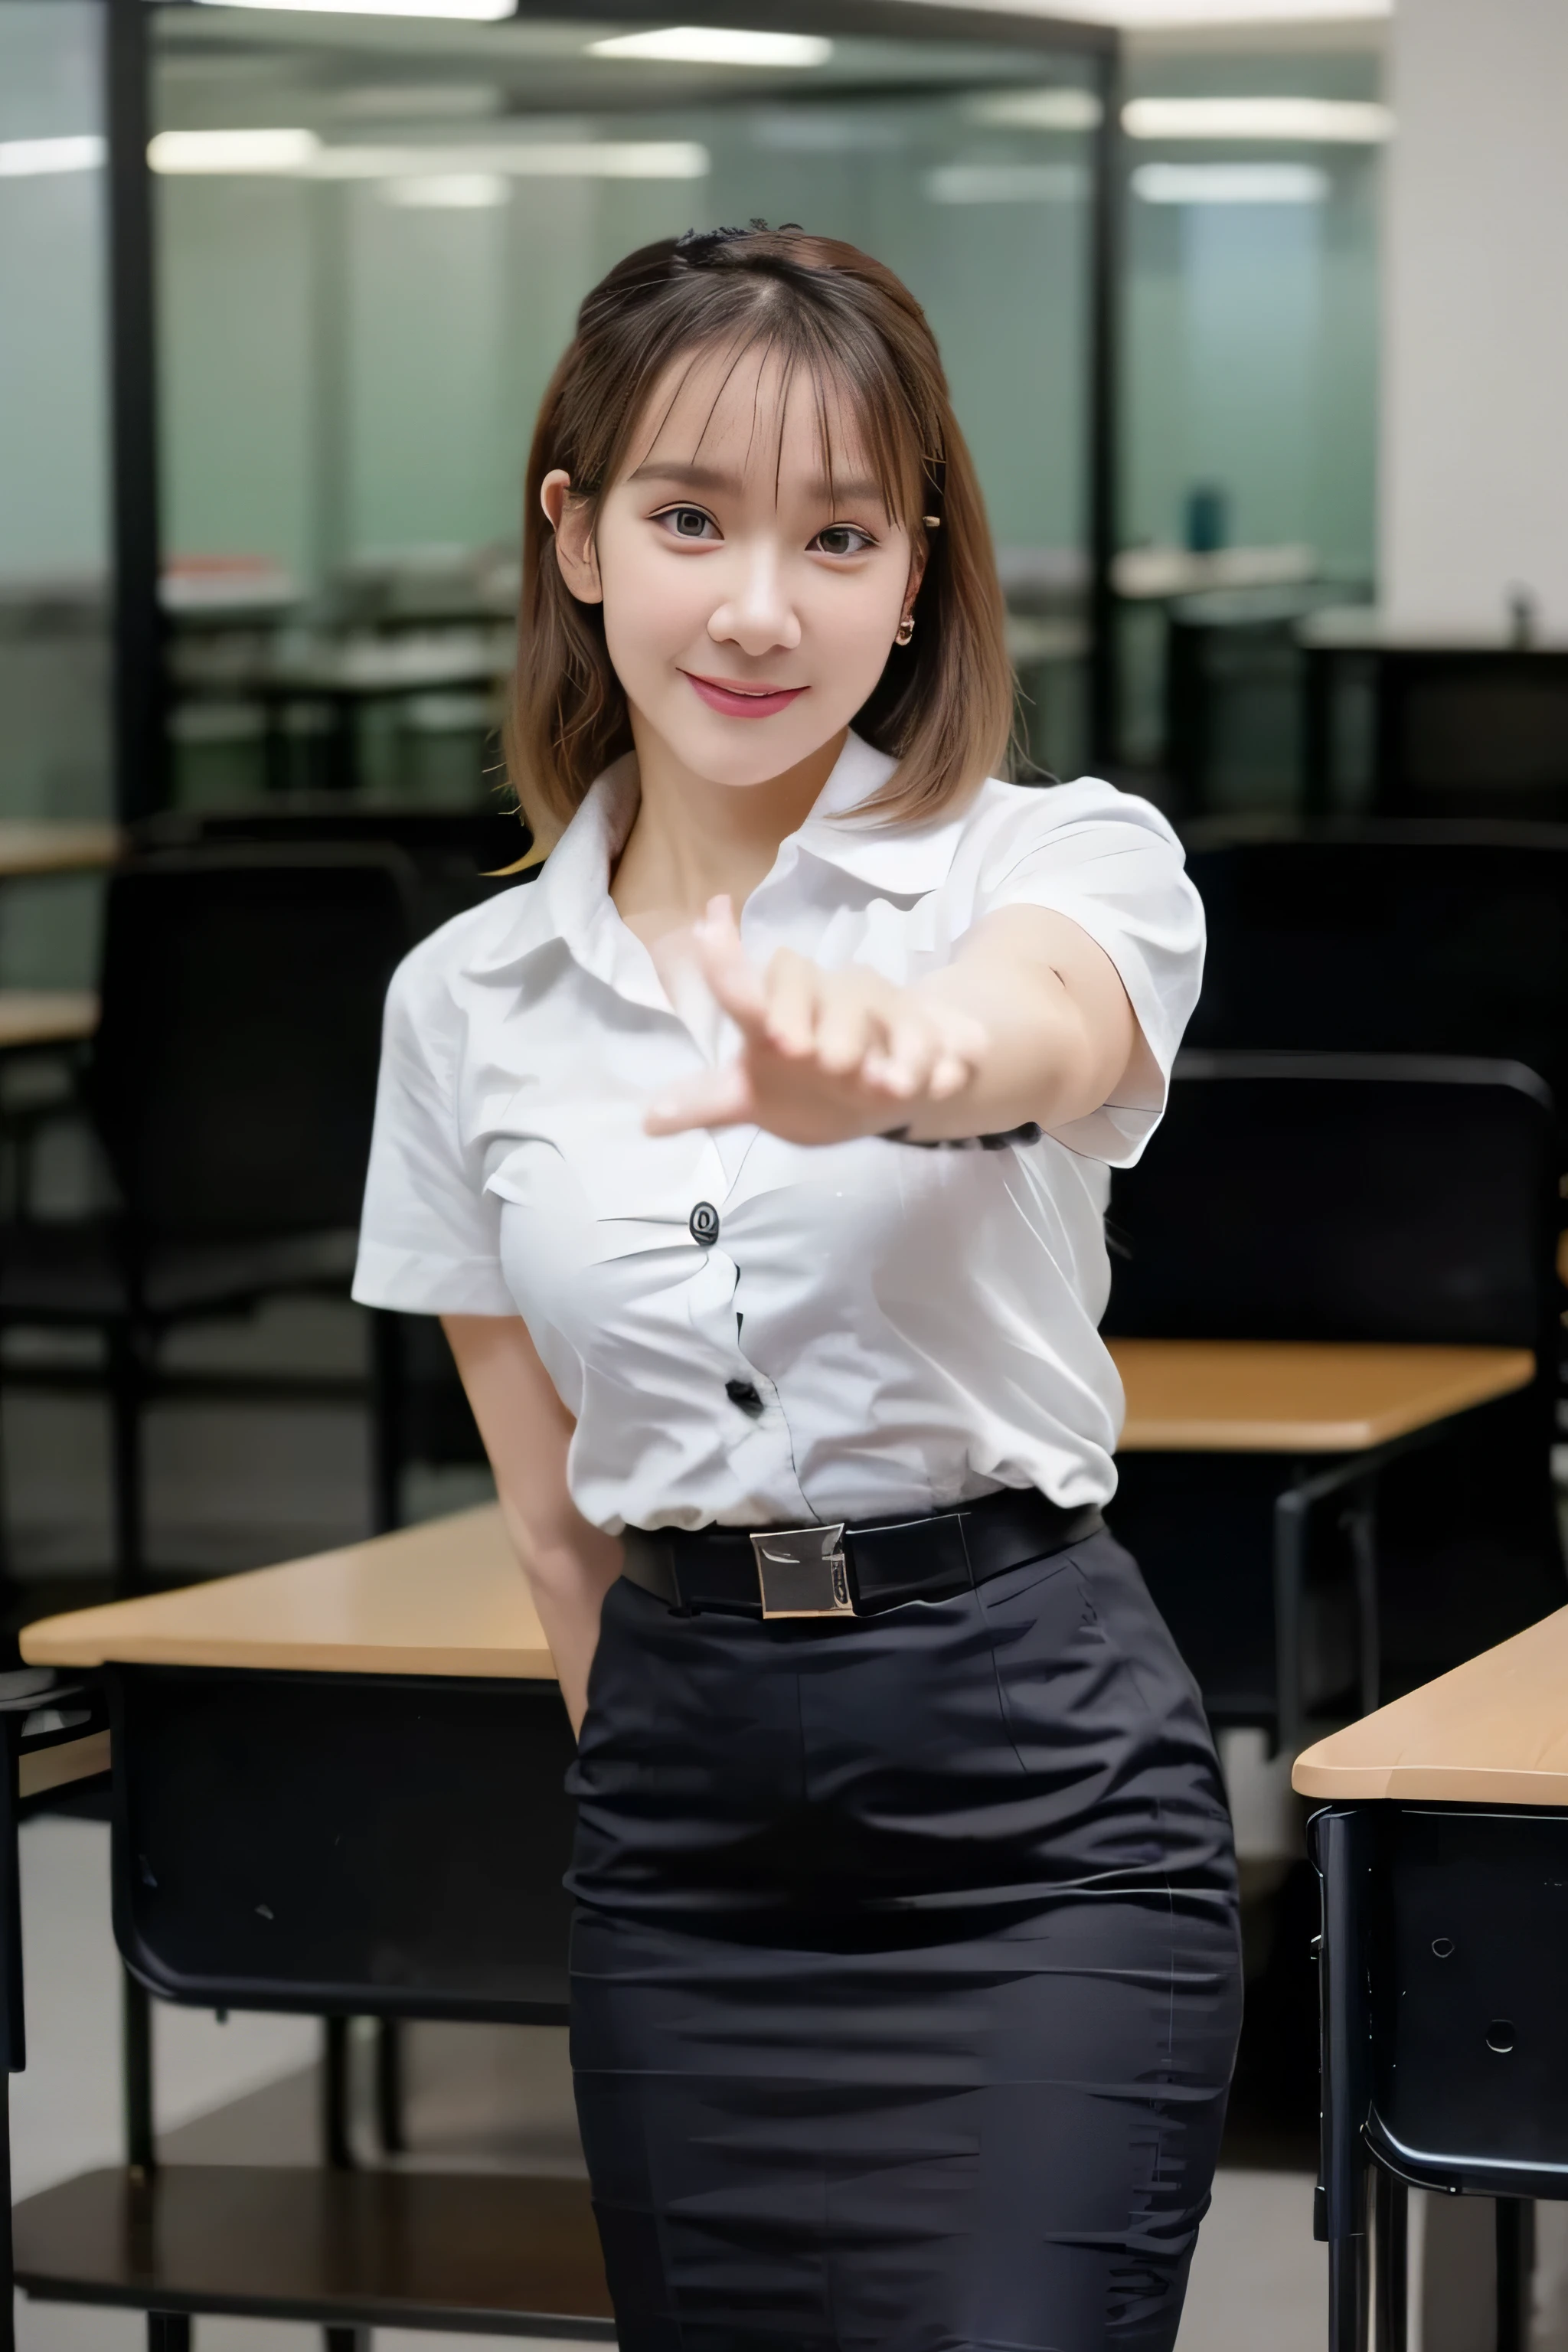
(1358, 1402)
(34, 846)
(1442, 1849)
(31, 1017)
(337, 1789)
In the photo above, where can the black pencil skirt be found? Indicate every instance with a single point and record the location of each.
(905, 1970)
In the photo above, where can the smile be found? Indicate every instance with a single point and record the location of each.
(742, 701)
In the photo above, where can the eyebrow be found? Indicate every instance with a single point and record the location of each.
(710, 477)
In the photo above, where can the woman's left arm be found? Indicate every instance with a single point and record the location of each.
(1029, 1023)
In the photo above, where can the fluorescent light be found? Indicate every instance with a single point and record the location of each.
(407, 102)
(29, 159)
(1335, 122)
(716, 45)
(300, 153)
(554, 159)
(486, 11)
(1039, 110)
(1146, 15)
(1230, 183)
(232, 151)
(1007, 183)
(465, 192)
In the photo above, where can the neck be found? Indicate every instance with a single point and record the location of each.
(694, 840)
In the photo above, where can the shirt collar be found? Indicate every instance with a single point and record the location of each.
(902, 859)
(570, 900)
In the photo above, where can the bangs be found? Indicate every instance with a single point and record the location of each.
(864, 426)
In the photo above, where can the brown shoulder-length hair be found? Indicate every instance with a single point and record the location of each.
(943, 705)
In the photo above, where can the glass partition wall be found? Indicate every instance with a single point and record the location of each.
(369, 237)
(54, 720)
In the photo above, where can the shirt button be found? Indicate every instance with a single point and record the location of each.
(743, 1393)
(703, 1222)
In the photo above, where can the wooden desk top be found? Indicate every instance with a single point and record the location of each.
(1245, 1396)
(447, 1598)
(30, 846)
(46, 1016)
(1495, 1731)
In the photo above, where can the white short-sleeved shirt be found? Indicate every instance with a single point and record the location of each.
(873, 1329)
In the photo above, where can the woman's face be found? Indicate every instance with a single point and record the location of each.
(749, 609)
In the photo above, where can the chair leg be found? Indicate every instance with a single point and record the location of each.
(125, 1399)
(337, 2140)
(1391, 2245)
(1347, 2295)
(136, 2060)
(1515, 2270)
(345, 2339)
(168, 2331)
(389, 2086)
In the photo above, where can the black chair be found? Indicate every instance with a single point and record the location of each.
(458, 856)
(1388, 938)
(1456, 732)
(1381, 1198)
(232, 1083)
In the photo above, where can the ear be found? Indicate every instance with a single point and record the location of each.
(917, 553)
(570, 519)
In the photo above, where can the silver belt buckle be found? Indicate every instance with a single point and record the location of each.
(801, 1573)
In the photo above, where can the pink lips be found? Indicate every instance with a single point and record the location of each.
(744, 702)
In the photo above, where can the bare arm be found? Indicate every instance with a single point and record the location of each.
(570, 1565)
(1029, 1021)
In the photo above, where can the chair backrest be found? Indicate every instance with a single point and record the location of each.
(1472, 733)
(1389, 939)
(1383, 1197)
(458, 855)
(234, 1074)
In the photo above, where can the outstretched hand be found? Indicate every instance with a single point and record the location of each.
(825, 1056)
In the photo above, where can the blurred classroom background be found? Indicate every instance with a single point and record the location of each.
(1256, 318)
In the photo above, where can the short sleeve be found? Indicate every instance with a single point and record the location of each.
(1111, 864)
(429, 1235)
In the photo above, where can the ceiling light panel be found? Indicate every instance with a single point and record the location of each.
(1230, 183)
(31, 159)
(716, 45)
(479, 11)
(466, 191)
(243, 153)
(300, 155)
(1038, 109)
(1331, 122)
(1147, 14)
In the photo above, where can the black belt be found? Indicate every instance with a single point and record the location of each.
(851, 1571)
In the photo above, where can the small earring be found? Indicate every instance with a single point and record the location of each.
(906, 630)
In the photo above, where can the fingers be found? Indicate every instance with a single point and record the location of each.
(791, 994)
(728, 971)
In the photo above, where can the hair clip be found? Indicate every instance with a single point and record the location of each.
(931, 522)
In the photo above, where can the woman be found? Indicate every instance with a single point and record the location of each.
(905, 1977)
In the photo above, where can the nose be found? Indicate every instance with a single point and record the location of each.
(757, 615)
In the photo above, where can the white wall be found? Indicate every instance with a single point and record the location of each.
(1475, 416)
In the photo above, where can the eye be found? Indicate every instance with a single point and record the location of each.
(842, 538)
(688, 522)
